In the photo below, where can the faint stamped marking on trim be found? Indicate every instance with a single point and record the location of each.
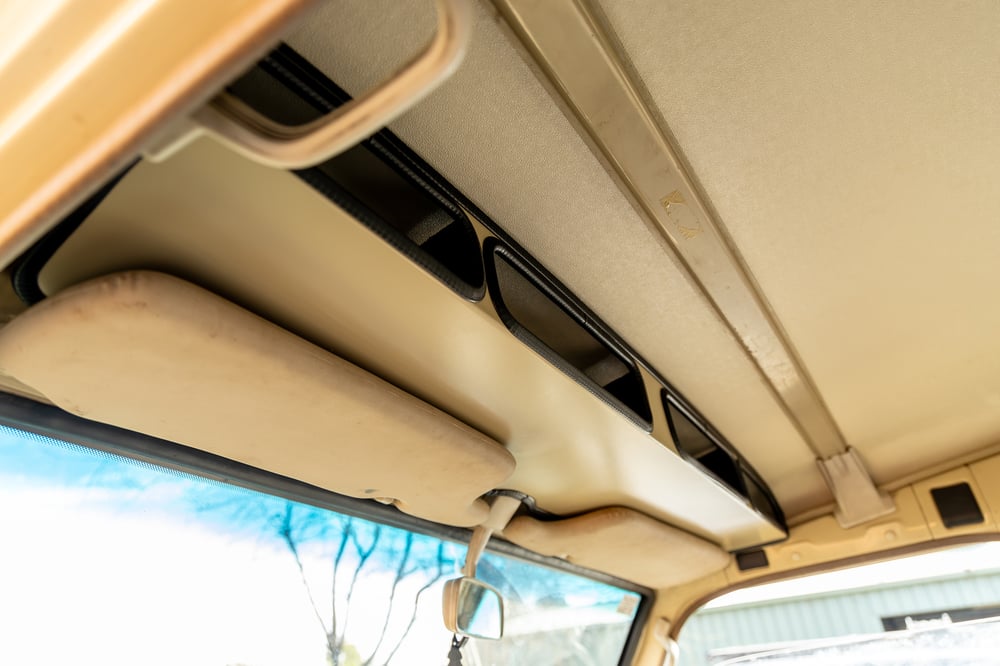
(685, 220)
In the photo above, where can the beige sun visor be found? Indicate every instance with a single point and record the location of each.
(160, 356)
(621, 542)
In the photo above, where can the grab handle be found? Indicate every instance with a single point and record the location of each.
(241, 128)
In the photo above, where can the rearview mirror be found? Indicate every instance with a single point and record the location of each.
(473, 608)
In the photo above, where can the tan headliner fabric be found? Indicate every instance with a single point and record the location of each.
(851, 149)
(621, 542)
(157, 355)
(495, 132)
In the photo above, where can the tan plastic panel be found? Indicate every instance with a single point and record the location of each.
(987, 476)
(822, 545)
(497, 134)
(86, 84)
(851, 150)
(623, 543)
(157, 355)
(267, 241)
(822, 541)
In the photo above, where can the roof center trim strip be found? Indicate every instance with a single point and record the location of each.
(569, 41)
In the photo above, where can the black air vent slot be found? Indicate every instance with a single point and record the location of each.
(369, 181)
(761, 499)
(957, 505)
(696, 445)
(752, 559)
(700, 444)
(442, 241)
(534, 311)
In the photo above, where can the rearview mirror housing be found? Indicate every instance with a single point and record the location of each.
(473, 608)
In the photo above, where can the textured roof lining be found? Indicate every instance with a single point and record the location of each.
(851, 151)
(495, 132)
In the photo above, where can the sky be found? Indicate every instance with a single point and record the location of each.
(111, 562)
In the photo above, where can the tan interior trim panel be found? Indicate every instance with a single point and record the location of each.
(822, 544)
(268, 241)
(76, 89)
(157, 355)
(496, 134)
(623, 543)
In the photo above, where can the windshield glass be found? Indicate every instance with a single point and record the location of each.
(107, 560)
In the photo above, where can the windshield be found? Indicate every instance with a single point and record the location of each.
(107, 561)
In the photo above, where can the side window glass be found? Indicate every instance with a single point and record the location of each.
(936, 608)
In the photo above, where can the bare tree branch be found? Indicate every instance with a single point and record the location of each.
(332, 637)
(416, 602)
(401, 573)
(298, 527)
(285, 530)
(363, 555)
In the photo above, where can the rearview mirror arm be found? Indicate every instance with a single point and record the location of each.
(501, 511)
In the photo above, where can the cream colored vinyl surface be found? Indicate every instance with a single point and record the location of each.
(623, 543)
(87, 84)
(266, 240)
(851, 149)
(497, 134)
(160, 356)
